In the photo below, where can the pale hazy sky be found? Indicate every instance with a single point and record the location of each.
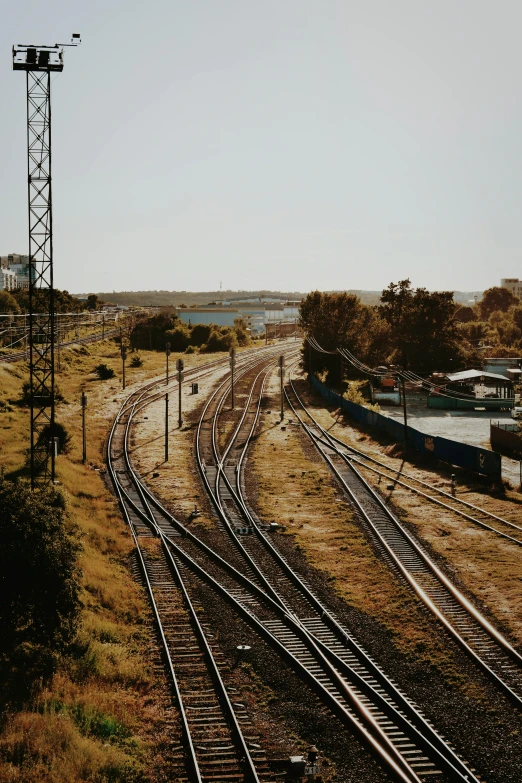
(289, 144)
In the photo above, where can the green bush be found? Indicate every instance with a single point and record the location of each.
(149, 333)
(200, 333)
(178, 337)
(136, 361)
(39, 578)
(104, 372)
(60, 432)
(220, 339)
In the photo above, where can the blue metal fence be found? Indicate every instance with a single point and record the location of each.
(452, 451)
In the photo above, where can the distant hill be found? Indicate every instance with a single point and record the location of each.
(177, 298)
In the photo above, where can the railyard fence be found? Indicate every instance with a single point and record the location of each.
(453, 452)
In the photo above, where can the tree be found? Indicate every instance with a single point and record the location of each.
(8, 303)
(423, 325)
(340, 320)
(517, 316)
(475, 330)
(465, 314)
(221, 338)
(496, 298)
(179, 337)
(93, 302)
(332, 319)
(152, 333)
(64, 302)
(39, 576)
(242, 331)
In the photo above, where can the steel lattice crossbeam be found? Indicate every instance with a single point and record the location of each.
(41, 292)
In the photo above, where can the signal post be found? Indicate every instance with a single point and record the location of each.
(232, 366)
(179, 368)
(281, 374)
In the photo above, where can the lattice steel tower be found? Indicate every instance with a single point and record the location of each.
(39, 62)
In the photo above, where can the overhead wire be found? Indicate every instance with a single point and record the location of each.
(404, 375)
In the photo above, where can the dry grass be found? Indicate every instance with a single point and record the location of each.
(105, 716)
(490, 567)
(302, 496)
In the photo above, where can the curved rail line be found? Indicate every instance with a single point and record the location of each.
(144, 508)
(214, 742)
(483, 643)
(369, 697)
(451, 503)
(383, 706)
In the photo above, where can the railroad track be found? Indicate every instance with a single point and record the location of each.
(92, 338)
(407, 557)
(481, 517)
(388, 711)
(219, 743)
(290, 619)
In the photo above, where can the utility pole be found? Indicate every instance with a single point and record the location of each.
(281, 374)
(84, 439)
(103, 324)
(39, 62)
(405, 411)
(232, 365)
(179, 367)
(167, 354)
(166, 427)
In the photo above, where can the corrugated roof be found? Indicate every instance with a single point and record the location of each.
(468, 375)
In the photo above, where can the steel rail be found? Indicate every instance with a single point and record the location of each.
(450, 759)
(402, 483)
(391, 548)
(92, 338)
(420, 723)
(407, 773)
(363, 455)
(366, 689)
(401, 774)
(126, 501)
(250, 772)
(194, 772)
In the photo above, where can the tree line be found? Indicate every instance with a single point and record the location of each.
(414, 328)
(17, 301)
(154, 332)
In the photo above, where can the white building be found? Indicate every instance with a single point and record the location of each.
(8, 279)
(19, 266)
(513, 284)
(22, 275)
